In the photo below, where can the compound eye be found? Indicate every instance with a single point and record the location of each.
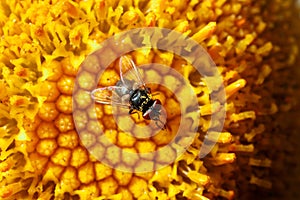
(147, 116)
(158, 101)
(157, 105)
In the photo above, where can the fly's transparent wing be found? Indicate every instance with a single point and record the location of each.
(110, 96)
(129, 74)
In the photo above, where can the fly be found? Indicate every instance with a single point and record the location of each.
(130, 92)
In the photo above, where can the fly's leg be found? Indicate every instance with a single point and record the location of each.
(132, 111)
(155, 94)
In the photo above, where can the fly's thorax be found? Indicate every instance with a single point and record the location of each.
(141, 100)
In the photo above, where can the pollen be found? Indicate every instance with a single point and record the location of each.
(65, 84)
(68, 139)
(109, 77)
(47, 130)
(64, 104)
(61, 157)
(109, 186)
(48, 112)
(125, 139)
(64, 123)
(46, 147)
(50, 91)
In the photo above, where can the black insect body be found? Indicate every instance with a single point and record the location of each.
(131, 92)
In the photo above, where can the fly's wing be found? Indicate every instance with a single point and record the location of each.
(109, 96)
(129, 74)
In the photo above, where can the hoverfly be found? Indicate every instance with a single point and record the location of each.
(130, 92)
